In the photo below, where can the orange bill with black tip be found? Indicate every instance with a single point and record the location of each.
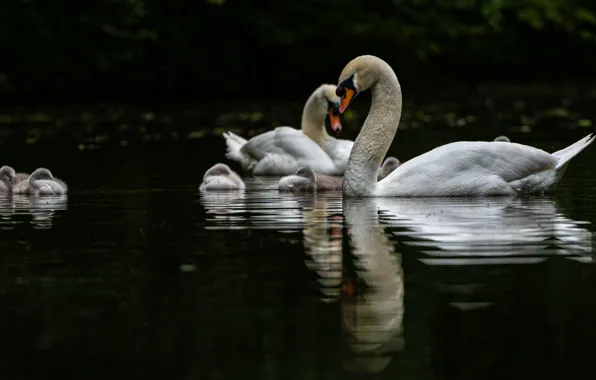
(346, 99)
(334, 120)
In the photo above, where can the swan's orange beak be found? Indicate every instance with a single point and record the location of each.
(334, 120)
(346, 99)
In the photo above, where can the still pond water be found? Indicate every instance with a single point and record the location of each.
(137, 275)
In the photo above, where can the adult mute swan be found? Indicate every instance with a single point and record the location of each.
(463, 168)
(283, 150)
(41, 182)
(221, 177)
(7, 180)
(306, 180)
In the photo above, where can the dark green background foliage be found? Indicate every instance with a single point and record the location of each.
(85, 49)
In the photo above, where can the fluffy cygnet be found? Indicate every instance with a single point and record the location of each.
(7, 180)
(305, 180)
(41, 182)
(221, 177)
(390, 164)
(502, 138)
(20, 177)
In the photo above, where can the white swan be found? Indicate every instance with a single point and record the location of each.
(464, 168)
(306, 180)
(221, 177)
(7, 180)
(283, 150)
(41, 182)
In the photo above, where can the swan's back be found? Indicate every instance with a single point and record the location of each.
(468, 167)
(511, 161)
(283, 150)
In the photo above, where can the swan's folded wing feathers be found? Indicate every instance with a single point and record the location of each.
(261, 145)
(300, 147)
(509, 161)
(513, 161)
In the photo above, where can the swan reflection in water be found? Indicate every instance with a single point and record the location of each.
(323, 225)
(41, 209)
(460, 231)
(446, 231)
(263, 207)
(373, 302)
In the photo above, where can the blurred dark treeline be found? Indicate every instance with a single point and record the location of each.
(84, 50)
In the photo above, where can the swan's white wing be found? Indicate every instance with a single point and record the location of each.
(339, 151)
(467, 167)
(286, 141)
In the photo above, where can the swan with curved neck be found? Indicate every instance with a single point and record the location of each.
(221, 177)
(41, 182)
(283, 150)
(7, 179)
(463, 168)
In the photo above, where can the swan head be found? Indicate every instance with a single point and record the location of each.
(218, 170)
(503, 138)
(7, 174)
(306, 172)
(330, 101)
(360, 74)
(41, 173)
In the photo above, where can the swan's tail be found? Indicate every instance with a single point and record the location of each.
(565, 155)
(234, 143)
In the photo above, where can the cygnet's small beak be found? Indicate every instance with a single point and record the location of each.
(334, 120)
(11, 180)
(346, 99)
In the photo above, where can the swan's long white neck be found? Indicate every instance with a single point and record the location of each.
(375, 137)
(313, 119)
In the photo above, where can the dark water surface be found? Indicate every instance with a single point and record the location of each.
(136, 275)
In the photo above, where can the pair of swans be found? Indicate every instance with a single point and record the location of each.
(463, 168)
(285, 150)
(40, 182)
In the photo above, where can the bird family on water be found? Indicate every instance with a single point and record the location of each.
(311, 160)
